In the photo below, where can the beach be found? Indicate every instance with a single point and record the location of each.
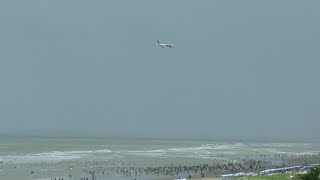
(121, 159)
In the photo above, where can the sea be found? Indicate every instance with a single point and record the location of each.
(94, 153)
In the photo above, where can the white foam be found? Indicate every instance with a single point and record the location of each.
(170, 151)
(103, 151)
(229, 146)
(202, 151)
(276, 144)
(146, 154)
(52, 156)
(308, 153)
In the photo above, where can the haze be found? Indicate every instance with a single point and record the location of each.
(92, 68)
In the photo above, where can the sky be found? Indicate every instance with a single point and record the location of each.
(92, 68)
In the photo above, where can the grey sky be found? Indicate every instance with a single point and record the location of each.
(239, 69)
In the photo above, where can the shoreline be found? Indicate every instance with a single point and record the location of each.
(76, 159)
(75, 171)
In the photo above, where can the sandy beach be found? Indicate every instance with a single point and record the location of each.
(78, 159)
(77, 170)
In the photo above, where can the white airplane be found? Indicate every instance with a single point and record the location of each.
(162, 45)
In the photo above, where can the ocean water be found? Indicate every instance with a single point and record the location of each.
(39, 149)
(144, 152)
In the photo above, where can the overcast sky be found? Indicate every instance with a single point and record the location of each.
(93, 68)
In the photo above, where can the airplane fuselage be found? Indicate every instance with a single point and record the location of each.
(162, 45)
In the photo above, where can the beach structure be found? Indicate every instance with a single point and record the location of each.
(284, 169)
(237, 174)
(180, 178)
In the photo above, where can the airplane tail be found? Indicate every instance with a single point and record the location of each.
(158, 42)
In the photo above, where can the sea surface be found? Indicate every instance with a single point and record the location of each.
(144, 152)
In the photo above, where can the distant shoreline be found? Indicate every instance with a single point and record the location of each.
(31, 158)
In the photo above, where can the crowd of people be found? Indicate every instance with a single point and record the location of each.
(215, 168)
(201, 170)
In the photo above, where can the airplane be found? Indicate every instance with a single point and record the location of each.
(162, 45)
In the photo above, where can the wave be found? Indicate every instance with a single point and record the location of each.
(206, 150)
(103, 151)
(276, 144)
(53, 156)
(197, 152)
(226, 146)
